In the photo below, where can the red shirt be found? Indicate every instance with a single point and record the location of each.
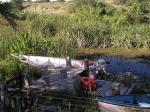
(88, 82)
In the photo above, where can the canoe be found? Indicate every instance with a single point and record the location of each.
(130, 103)
(49, 61)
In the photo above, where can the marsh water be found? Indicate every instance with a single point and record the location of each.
(65, 102)
(118, 65)
(115, 65)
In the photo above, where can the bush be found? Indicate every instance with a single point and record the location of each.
(5, 44)
(92, 34)
(49, 29)
(24, 44)
(48, 25)
(10, 68)
(135, 36)
(119, 19)
(138, 10)
(17, 3)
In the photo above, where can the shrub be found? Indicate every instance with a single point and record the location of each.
(5, 44)
(92, 34)
(48, 25)
(25, 44)
(10, 68)
(49, 29)
(135, 36)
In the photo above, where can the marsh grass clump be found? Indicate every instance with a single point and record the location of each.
(135, 36)
(25, 44)
(92, 34)
(5, 44)
(10, 68)
(47, 25)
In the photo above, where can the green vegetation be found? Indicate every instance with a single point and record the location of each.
(94, 24)
(97, 25)
(88, 24)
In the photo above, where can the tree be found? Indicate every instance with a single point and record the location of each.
(18, 4)
(8, 12)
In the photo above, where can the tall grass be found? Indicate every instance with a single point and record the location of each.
(133, 36)
(60, 46)
(4, 47)
(92, 34)
(47, 24)
(93, 24)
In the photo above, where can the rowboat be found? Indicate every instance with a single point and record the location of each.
(130, 103)
(62, 73)
(43, 61)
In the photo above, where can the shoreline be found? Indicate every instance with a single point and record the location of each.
(124, 52)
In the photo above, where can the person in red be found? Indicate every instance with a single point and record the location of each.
(88, 83)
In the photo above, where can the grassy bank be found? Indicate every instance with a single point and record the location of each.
(124, 52)
(90, 27)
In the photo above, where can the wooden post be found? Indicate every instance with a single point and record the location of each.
(3, 93)
(27, 82)
(68, 62)
(86, 64)
(27, 77)
(86, 67)
(64, 73)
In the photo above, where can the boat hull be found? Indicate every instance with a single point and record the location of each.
(106, 107)
(49, 61)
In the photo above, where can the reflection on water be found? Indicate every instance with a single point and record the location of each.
(118, 65)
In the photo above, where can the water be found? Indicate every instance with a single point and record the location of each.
(64, 102)
(119, 65)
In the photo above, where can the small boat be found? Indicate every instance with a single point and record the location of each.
(130, 103)
(50, 61)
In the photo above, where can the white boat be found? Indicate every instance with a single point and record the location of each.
(50, 61)
(138, 103)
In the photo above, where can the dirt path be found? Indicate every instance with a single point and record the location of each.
(57, 8)
(128, 53)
